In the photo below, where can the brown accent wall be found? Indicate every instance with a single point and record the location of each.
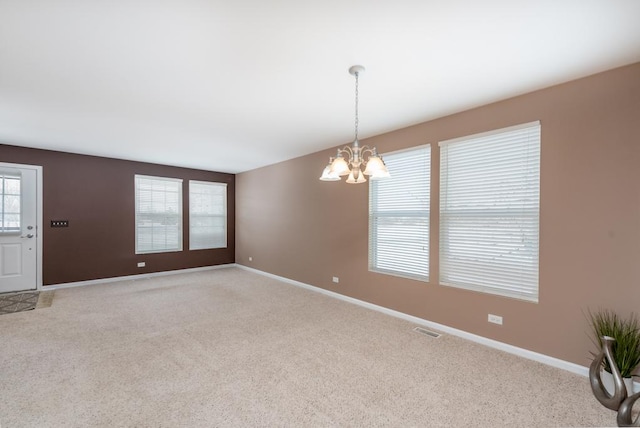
(296, 226)
(96, 195)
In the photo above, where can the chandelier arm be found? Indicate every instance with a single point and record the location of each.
(348, 151)
(367, 149)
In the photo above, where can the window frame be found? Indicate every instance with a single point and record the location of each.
(420, 215)
(506, 252)
(224, 215)
(139, 214)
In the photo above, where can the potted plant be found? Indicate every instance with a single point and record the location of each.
(625, 349)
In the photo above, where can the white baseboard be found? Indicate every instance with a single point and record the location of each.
(525, 353)
(134, 277)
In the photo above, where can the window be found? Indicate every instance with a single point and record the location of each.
(399, 215)
(10, 203)
(158, 214)
(489, 212)
(207, 215)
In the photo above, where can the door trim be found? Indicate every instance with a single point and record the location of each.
(39, 228)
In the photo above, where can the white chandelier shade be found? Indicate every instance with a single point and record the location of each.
(350, 160)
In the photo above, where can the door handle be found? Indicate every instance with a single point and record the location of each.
(30, 235)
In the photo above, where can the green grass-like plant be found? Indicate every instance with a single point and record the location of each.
(626, 332)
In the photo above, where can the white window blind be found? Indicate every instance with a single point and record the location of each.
(158, 214)
(489, 212)
(399, 215)
(207, 215)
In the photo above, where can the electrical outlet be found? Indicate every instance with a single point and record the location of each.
(141, 264)
(250, 258)
(495, 319)
(336, 279)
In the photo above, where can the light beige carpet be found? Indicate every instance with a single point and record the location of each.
(232, 348)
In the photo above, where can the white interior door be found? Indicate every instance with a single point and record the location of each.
(19, 237)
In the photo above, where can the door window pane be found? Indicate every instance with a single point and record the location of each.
(9, 203)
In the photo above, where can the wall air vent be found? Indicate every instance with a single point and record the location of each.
(427, 332)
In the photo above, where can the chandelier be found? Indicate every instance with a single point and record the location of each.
(350, 160)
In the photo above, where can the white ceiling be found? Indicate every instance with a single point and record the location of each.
(230, 86)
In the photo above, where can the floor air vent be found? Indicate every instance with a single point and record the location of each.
(427, 332)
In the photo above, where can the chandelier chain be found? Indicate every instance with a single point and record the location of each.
(356, 105)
